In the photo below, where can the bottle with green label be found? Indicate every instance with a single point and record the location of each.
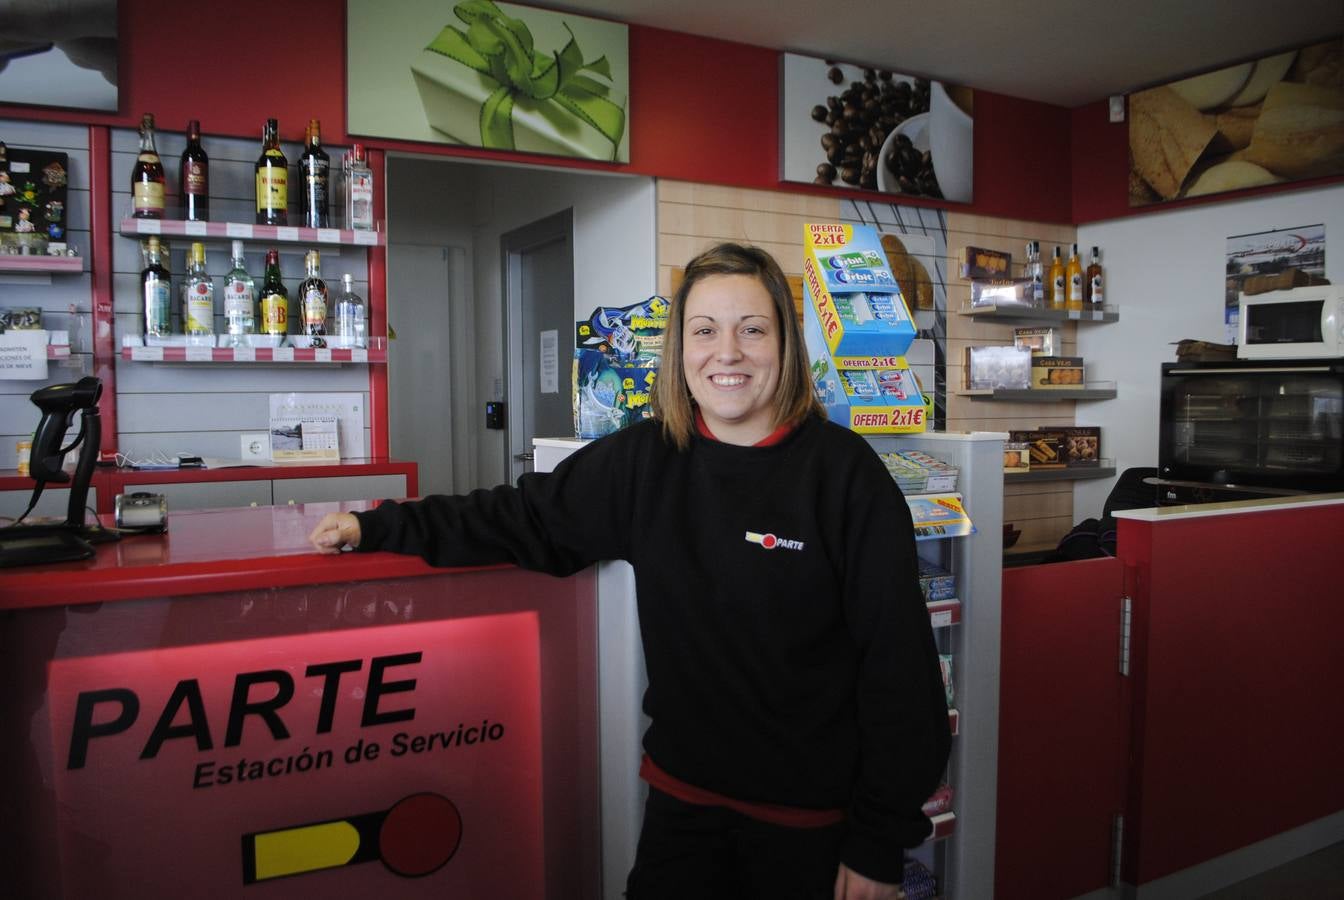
(274, 299)
(156, 292)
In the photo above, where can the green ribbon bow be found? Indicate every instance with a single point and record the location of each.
(501, 47)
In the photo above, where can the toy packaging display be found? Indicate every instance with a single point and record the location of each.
(32, 199)
(616, 358)
(857, 328)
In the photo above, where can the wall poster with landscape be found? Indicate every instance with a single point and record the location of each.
(493, 75)
(1261, 122)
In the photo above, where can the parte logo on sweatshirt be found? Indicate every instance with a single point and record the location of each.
(770, 542)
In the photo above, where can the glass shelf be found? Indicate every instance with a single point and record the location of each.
(41, 265)
(253, 355)
(244, 231)
(1107, 313)
(1068, 473)
(1093, 390)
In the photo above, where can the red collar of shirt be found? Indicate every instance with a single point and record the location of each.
(770, 439)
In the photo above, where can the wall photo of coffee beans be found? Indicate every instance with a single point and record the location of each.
(874, 129)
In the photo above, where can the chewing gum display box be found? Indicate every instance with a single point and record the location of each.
(936, 582)
(1057, 372)
(857, 328)
(1044, 447)
(851, 289)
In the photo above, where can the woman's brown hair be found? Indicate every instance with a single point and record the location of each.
(794, 398)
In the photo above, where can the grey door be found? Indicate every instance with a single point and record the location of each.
(538, 281)
(419, 373)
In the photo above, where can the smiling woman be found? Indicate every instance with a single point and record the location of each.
(797, 716)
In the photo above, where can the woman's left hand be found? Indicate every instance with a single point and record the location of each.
(850, 885)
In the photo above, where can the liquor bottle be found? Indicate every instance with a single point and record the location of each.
(314, 171)
(313, 296)
(198, 295)
(274, 299)
(1095, 293)
(358, 192)
(156, 292)
(240, 301)
(147, 177)
(1058, 284)
(350, 318)
(1075, 276)
(272, 179)
(193, 182)
(1036, 272)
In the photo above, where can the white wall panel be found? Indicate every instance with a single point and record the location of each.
(1165, 271)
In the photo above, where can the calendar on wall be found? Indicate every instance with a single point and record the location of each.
(309, 427)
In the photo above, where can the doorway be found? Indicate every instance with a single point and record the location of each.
(538, 294)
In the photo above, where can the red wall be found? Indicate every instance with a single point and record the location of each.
(701, 109)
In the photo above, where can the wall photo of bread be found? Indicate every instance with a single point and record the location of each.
(1276, 119)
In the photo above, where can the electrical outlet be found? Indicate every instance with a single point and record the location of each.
(255, 447)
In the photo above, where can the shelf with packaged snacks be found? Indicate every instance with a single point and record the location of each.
(1093, 390)
(1105, 314)
(246, 231)
(944, 613)
(1106, 469)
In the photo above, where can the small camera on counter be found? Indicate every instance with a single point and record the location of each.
(141, 512)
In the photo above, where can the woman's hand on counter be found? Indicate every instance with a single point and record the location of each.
(334, 532)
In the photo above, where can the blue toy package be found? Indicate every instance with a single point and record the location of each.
(616, 363)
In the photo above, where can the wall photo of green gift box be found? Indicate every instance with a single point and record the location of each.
(494, 75)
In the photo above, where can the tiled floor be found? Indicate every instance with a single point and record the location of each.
(1319, 876)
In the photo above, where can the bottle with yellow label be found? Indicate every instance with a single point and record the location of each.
(1058, 281)
(272, 179)
(274, 299)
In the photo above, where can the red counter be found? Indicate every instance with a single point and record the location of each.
(220, 711)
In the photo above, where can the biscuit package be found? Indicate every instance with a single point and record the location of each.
(1082, 446)
(1045, 447)
(1057, 372)
(1040, 341)
(995, 366)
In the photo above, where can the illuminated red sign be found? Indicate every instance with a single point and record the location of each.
(402, 759)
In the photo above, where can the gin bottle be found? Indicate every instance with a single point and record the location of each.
(350, 320)
(240, 301)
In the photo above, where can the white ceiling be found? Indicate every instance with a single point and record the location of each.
(1065, 52)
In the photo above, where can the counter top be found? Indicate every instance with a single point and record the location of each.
(1204, 510)
(205, 551)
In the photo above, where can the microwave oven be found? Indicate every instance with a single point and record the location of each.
(1264, 426)
(1297, 323)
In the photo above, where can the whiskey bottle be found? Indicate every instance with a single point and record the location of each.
(147, 179)
(1095, 293)
(313, 296)
(272, 179)
(198, 296)
(314, 171)
(1075, 275)
(350, 317)
(240, 301)
(193, 183)
(156, 292)
(274, 299)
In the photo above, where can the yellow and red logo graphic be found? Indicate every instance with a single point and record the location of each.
(414, 838)
(770, 541)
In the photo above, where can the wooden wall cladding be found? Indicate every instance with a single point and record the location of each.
(693, 217)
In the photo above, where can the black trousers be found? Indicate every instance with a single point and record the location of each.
(692, 852)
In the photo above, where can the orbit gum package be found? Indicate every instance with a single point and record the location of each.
(858, 328)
